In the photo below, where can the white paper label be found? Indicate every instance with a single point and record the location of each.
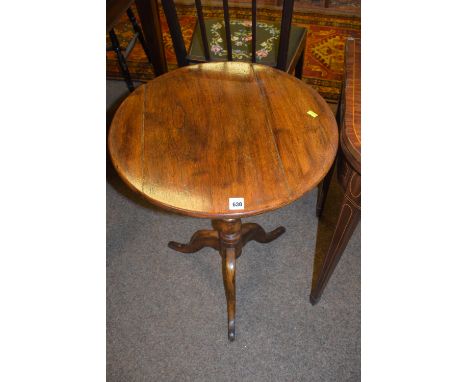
(236, 203)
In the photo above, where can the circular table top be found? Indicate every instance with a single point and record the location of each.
(196, 137)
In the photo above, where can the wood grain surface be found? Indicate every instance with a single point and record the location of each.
(351, 134)
(348, 170)
(193, 138)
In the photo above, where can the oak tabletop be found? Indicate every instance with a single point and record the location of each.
(193, 138)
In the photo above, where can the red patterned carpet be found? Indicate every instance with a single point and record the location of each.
(324, 56)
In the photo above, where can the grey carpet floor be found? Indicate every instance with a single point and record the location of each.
(166, 311)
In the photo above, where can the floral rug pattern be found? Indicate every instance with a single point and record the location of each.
(241, 40)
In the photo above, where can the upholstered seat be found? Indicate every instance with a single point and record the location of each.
(241, 32)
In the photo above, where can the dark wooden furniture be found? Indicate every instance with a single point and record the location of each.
(193, 139)
(122, 55)
(149, 16)
(281, 46)
(348, 167)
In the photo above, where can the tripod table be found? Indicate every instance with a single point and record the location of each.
(224, 141)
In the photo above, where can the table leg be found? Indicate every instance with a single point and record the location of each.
(349, 216)
(228, 237)
(230, 240)
(149, 15)
(200, 239)
(299, 66)
(323, 191)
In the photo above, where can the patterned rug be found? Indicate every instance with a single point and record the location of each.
(324, 54)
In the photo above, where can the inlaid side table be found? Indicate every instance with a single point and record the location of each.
(348, 168)
(224, 141)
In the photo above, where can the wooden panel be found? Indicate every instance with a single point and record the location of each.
(351, 130)
(148, 11)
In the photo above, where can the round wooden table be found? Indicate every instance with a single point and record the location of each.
(224, 141)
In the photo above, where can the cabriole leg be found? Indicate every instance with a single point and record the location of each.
(230, 240)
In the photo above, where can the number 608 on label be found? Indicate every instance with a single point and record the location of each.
(236, 203)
